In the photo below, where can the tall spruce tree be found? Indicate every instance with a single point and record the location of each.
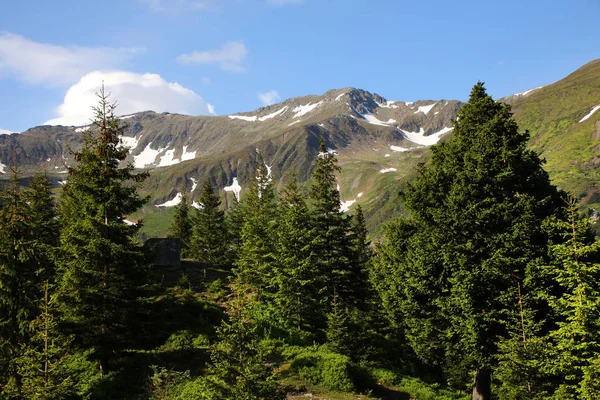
(101, 265)
(576, 342)
(181, 226)
(476, 217)
(237, 370)
(209, 239)
(331, 241)
(18, 284)
(256, 257)
(298, 282)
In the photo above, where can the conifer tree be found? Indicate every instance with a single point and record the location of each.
(18, 284)
(297, 291)
(101, 265)
(256, 260)
(209, 240)
(576, 270)
(237, 370)
(331, 242)
(42, 367)
(234, 221)
(476, 222)
(181, 226)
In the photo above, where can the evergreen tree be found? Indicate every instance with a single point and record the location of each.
(18, 284)
(237, 370)
(181, 226)
(101, 265)
(209, 241)
(476, 215)
(576, 270)
(297, 291)
(42, 367)
(331, 242)
(256, 260)
(234, 221)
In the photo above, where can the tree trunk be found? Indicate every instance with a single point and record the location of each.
(482, 385)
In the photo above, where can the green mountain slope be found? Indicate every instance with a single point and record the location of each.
(570, 143)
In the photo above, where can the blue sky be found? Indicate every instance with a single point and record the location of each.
(227, 56)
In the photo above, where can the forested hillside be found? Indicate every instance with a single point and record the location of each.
(486, 288)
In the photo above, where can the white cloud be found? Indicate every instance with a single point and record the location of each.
(269, 97)
(53, 65)
(5, 132)
(284, 2)
(229, 56)
(132, 92)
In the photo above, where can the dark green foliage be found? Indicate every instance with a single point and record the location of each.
(237, 370)
(321, 367)
(27, 239)
(101, 266)
(297, 282)
(576, 270)
(209, 241)
(181, 226)
(43, 364)
(256, 256)
(475, 228)
(234, 221)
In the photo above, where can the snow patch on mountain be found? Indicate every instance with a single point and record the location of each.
(197, 205)
(420, 138)
(370, 118)
(82, 129)
(302, 110)
(525, 93)
(590, 113)
(130, 142)
(168, 159)
(339, 96)
(194, 184)
(244, 117)
(187, 155)
(397, 148)
(173, 202)
(2, 168)
(235, 188)
(295, 122)
(345, 205)
(146, 157)
(383, 171)
(425, 109)
(273, 115)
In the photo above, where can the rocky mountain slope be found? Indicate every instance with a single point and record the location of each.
(378, 143)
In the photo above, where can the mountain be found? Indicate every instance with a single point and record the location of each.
(378, 143)
(563, 119)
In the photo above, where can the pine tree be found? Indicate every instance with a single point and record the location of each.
(209, 240)
(42, 367)
(18, 284)
(101, 265)
(181, 226)
(331, 242)
(256, 259)
(298, 283)
(576, 270)
(234, 221)
(476, 222)
(237, 370)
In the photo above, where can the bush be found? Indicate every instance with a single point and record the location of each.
(331, 370)
(185, 340)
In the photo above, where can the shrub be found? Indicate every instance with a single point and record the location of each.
(331, 370)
